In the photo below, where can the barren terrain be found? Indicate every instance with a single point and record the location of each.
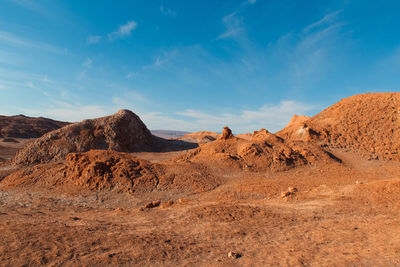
(267, 200)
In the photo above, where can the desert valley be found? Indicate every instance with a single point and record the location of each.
(323, 191)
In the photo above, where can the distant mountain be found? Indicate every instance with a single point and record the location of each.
(168, 134)
(21, 126)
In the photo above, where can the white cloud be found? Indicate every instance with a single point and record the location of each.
(123, 31)
(272, 117)
(162, 60)
(29, 4)
(167, 11)
(327, 19)
(69, 112)
(16, 41)
(129, 99)
(93, 39)
(132, 74)
(252, 1)
(233, 26)
(87, 63)
(81, 75)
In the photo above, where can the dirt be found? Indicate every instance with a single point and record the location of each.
(268, 200)
(8, 148)
(332, 220)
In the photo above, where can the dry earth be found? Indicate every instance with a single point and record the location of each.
(341, 216)
(297, 204)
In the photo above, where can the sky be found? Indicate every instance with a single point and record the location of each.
(194, 65)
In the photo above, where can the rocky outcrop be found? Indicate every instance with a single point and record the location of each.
(368, 124)
(226, 133)
(123, 131)
(265, 151)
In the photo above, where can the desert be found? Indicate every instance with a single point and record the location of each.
(200, 133)
(322, 191)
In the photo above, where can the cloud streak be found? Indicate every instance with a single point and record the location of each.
(167, 12)
(327, 19)
(233, 26)
(123, 31)
(273, 117)
(93, 39)
(17, 41)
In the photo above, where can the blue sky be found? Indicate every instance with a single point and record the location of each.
(194, 65)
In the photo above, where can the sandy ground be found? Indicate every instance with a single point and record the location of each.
(342, 215)
(10, 146)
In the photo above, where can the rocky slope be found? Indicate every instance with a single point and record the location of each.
(368, 124)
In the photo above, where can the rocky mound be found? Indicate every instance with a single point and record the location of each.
(200, 137)
(111, 170)
(367, 123)
(265, 151)
(107, 169)
(123, 131)
(21, 126)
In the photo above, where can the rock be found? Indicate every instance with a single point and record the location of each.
(291, 191)
(226, 133)
(123, 132)
(153, 204)
(234, 255)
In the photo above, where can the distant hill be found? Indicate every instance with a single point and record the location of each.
(168, 134)
(21, 126)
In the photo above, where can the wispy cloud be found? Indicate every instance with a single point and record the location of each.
(327, 19)
(130, 99)
(132, 74)
(30, 4)
(17, 41)
(167, 11)
(87, 63)
(68, 112)
(272, 117)
(160, 61)
(233, 26)
(93, 39)
(252, 1)
(123, 31)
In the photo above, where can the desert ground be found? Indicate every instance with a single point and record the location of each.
(324, 191)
